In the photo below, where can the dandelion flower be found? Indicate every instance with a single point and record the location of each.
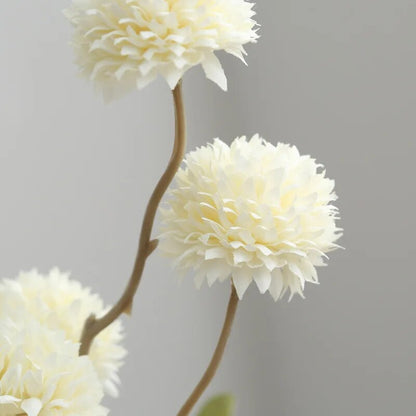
(41, 373)
(251, 211)
(125, 44)
(64, 304)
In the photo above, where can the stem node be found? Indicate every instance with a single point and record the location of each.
(152, 247)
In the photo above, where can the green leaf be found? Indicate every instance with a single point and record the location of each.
(222, 405)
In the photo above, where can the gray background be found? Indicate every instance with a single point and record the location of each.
(334, 77)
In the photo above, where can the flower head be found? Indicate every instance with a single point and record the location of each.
(63, 304)
(251, 211)
(41, 373)
(125, 44)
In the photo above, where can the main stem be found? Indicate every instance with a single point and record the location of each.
(93, 326)
(216, 358)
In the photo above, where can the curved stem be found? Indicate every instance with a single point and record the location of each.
(93, 325)
(216, 358)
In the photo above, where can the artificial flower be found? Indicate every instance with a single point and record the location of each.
(251, 211)
(125, 44)
(64, 304)
(41, 373)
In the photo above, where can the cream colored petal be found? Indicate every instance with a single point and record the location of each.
(214, 71)
(263, 278)
(32, 406)
(276, 284)
(172, 76)
(242, 279)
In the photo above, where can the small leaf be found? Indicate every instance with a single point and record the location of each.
(222, 405)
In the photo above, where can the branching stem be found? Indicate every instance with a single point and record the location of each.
(93, 326)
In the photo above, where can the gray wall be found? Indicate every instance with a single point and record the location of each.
(334, 77)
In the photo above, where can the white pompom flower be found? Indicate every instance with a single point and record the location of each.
(41, 373)
(251, 211)
(64, 304)
(124, 44)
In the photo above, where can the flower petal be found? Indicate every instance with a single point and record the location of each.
(242, 279)
(263, 278)
(214, 71)
(32, 406)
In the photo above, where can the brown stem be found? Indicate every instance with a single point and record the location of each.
(216, 358)
(93, 325)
